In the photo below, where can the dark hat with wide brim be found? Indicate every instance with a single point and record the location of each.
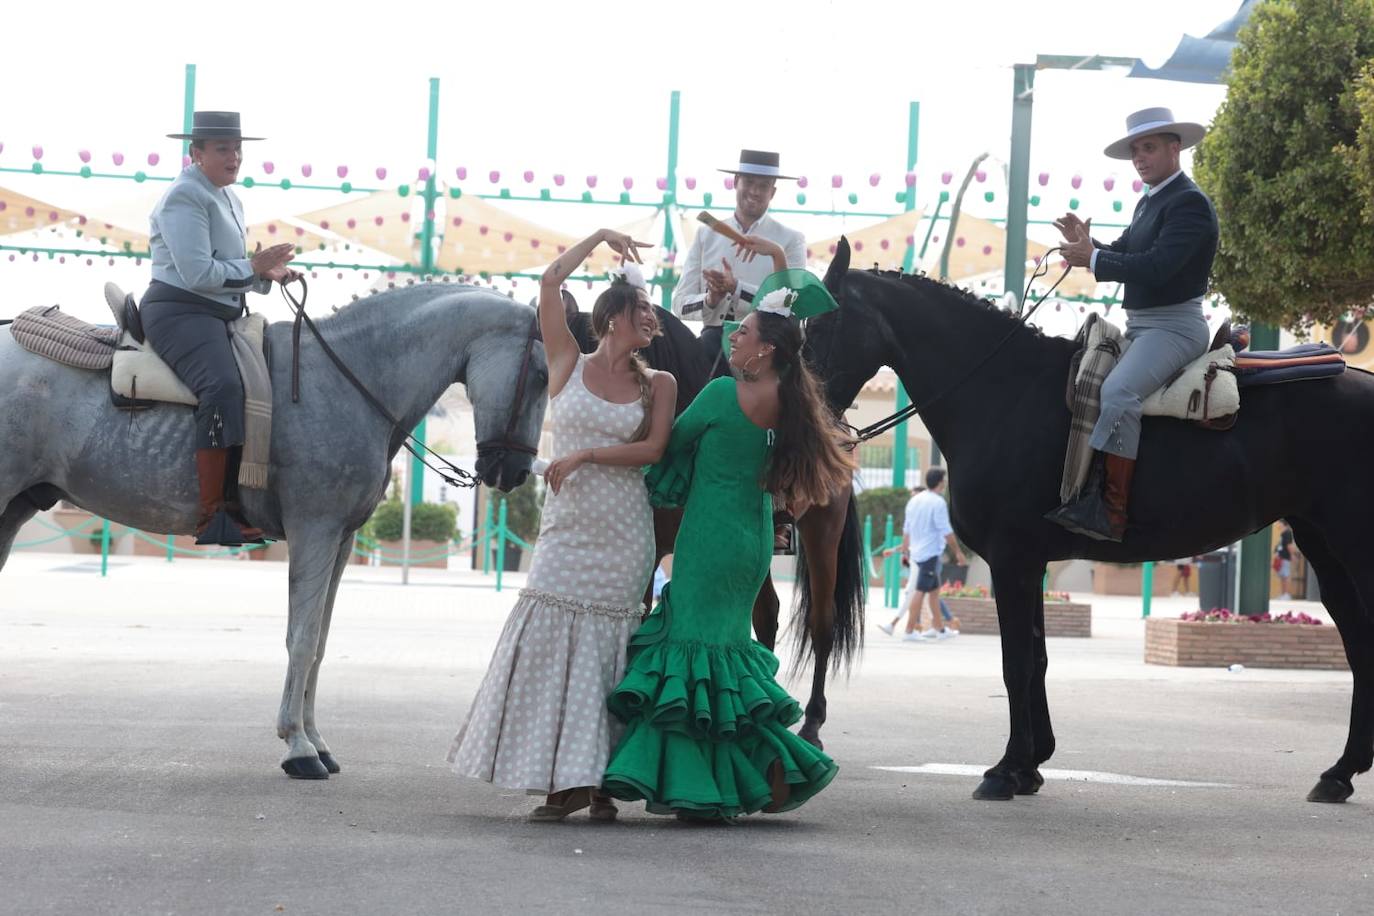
(214, 125)
(759, 163)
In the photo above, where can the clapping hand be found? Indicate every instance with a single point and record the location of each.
(719, 283)
(1078, 242)
(266, 261)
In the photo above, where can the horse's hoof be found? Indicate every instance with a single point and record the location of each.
(329, 762)
(305, 768)
(1030, 783)
(996, 787)
(1331, 790)
(812, 736)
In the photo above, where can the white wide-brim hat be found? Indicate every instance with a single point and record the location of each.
(1154, 121)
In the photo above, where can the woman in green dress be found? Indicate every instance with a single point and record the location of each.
(706, 723)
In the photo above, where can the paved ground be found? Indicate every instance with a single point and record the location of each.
(138, 772)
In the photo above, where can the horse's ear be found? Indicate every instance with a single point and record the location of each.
(839, 266)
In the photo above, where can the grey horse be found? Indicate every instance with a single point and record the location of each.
(60, 438)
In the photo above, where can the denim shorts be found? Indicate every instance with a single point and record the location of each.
(927, 575)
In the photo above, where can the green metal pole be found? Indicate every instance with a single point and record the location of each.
(104, 547)
(868, 543)
(913, 133)
(417, 467)
(667, 275)
(1018, 179)
(486, 537)
(171, 549)
(888, 599)
(1253, 595)
(1147, 587)
(188, 107)
(500, 544)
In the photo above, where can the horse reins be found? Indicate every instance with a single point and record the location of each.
(450, 473)
(901, 416)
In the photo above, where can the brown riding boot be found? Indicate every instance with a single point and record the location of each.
(1117, 491)
(214, 526)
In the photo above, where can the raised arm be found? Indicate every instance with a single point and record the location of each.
(559, 344)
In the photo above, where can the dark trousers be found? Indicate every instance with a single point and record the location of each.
(195, 344)
(711, 347)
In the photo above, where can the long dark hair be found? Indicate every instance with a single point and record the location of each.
(807, 460)
(621, 299)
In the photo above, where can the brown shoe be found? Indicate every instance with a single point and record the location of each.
(214, 525)
(553, 811)
(1117, 491)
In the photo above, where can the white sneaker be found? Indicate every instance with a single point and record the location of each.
(914, 636)
(946, 633)
(886, 628)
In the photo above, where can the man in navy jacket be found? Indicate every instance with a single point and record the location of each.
(1164, 258)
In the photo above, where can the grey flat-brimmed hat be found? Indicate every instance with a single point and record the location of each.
(1154, 121)
(758, 162)
(214, 125)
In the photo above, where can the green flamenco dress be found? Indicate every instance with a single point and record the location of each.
(705, 719)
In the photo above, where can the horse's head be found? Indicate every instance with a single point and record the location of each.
(846, 347)
(507, 380)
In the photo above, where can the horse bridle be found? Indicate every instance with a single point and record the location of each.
(901, 416)
(449, 473)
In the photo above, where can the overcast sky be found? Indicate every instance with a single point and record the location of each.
(580, 89)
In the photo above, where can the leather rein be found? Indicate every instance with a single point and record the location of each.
(901, 416)
(450, 473)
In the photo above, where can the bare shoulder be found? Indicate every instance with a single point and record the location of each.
(662, 381)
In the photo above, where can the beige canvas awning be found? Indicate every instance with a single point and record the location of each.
(21, 213)
(882, 244)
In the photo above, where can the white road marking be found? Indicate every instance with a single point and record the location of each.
(1115, 779)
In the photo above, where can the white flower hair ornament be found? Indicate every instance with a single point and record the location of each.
(778, 302)
(629, 273)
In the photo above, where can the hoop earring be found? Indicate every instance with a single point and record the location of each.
(744, 370)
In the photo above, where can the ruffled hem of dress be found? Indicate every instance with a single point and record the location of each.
(582, 605)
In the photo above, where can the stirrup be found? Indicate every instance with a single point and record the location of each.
(223, 531)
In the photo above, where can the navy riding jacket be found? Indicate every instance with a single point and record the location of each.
(1165, 256)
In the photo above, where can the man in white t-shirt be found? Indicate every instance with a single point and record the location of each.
(925, 533)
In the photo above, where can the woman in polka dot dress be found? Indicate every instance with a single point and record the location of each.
(540, 721)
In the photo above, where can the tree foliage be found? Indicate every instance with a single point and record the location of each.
(1281, 164)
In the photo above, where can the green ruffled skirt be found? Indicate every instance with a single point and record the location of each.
(704, 723)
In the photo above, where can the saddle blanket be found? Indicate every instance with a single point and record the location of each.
(1204, 391)
(1305, 361)
(137, 373)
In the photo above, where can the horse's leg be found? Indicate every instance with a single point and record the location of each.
(666, 523)
(311, 732)
(18, 508)
(1018, 596)
(1042, 731)
(1350, 601)
(766, 613)
(820, 530)
(314, 557)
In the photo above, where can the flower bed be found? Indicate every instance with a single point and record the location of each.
(977, 612)
(1219, 638)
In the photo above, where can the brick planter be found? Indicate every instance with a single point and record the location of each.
(391, 553)
(1062, 618)
(1196, 644)
(1110, 579)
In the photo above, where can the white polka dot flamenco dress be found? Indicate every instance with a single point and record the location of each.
(539, 721)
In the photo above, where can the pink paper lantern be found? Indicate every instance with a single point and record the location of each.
(462, 173)
(84, 155)
(507, 236)
(911, 179)
(352, 223)
(884, 244)
(729, 182)
(691, 184)
(661, 184)
(38, 152)
(429, 215)
(306, 169)
(1044, 178)
(1137, 185)
(381, 173)
(378, 220)
(858, 245)
(911, 240)
(268, 167)
(837, 181)
(591, 181)
(627, 182)
(81, 220)
(271, 228)
(987, 250)
(960, 241)
(1076, 181)
(341, 171)
(423, 173)
(52, 216)
(482, 230)
(29, 211)
(324, 224)
(405, 217)
(153, 158)
(1108, 183)
(558, 180)
(528, 176)
(457, 221)
(534, 243)
(185, 161)
(873, 180)
(802, 182)
(833, 249)
(980, 176)
(946, 177)
(117, 158)
(300, 231)
(494, 176)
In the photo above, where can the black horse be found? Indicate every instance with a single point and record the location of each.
(828, 630)
(1002, 425)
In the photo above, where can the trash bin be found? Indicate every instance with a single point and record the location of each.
(1216, 580)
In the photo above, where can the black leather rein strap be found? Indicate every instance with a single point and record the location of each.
(450, 473)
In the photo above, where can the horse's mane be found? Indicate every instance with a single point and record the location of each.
(957, 294)
(344, 318)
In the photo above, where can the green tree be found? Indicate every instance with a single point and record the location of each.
(1297, 242)
(523, 508)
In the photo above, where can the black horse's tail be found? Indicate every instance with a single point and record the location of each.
(851, 594)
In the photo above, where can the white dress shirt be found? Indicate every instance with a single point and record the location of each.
(709, 247)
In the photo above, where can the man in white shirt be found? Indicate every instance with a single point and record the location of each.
(718, 283)
(925, 533)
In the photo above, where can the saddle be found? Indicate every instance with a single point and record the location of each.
(139, 379)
